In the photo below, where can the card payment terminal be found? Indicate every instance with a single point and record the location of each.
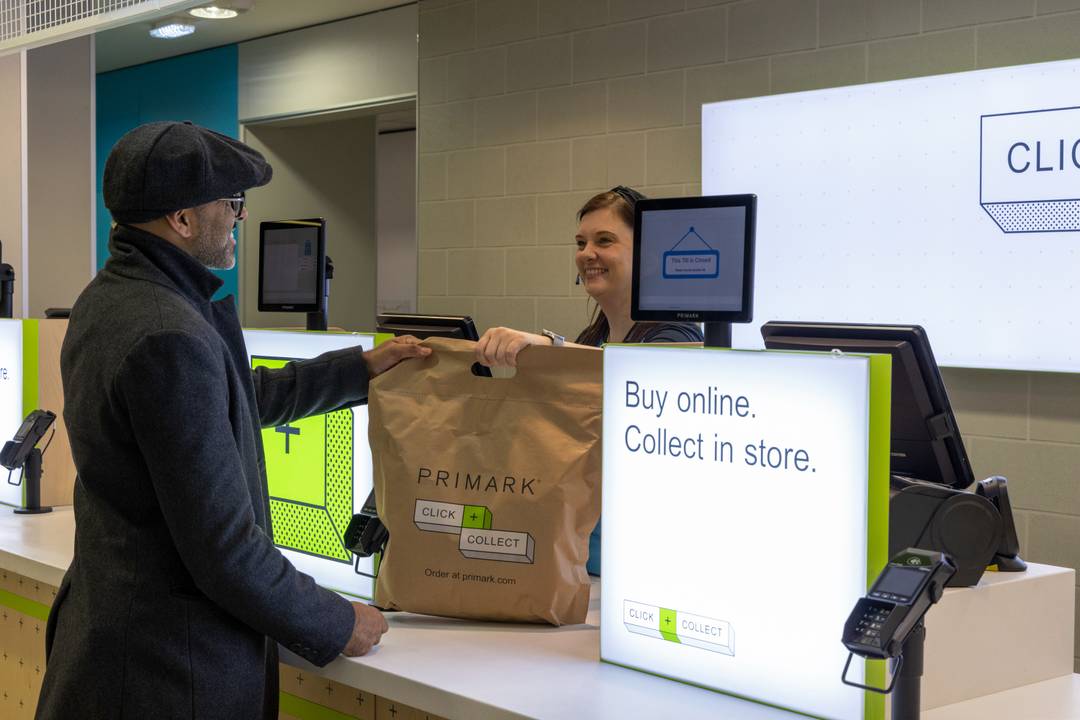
(903, 592)
(888, 623)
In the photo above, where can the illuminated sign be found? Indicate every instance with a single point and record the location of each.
(318, 469)
(950, 201)
(1030, 168)
(745, 498)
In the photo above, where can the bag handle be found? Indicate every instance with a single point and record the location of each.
(558, 369)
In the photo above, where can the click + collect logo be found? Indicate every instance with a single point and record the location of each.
(1029, 169)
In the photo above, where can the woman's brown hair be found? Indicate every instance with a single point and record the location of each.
(622, 200)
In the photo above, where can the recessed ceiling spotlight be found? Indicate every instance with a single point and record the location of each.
(171, 29)
(213, 12)
(221, 9)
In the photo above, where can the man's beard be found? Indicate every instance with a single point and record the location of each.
(214, 251)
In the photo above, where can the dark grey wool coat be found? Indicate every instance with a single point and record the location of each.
(176, 594)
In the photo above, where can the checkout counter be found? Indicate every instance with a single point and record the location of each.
(429, 667)
(1002, 649)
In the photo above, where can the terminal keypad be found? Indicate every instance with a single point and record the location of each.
(869, 626)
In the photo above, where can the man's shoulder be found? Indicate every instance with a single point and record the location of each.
(114, 314)
(138, 304)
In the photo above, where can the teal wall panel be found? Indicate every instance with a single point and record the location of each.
(200, 87)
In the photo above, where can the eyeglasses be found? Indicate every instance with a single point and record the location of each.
(236, 202)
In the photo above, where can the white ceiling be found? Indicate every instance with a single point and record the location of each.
(132, 44)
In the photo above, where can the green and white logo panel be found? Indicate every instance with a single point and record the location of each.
(766, 476)
(472, 523)
(318, 469)
(679, 627)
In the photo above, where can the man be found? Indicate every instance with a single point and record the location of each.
(176, 598)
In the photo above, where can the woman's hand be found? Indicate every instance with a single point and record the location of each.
(500, 346)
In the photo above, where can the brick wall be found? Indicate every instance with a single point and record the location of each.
(528, 107)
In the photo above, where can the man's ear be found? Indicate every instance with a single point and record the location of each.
(182, 222)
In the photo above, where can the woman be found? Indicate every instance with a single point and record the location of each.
(605, 257)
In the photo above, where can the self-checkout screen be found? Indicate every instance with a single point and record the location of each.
(692, 259)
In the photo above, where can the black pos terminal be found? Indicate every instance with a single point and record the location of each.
(940, 533)
(931, 506)
(694, 262)
(23, 454)
(887, 624)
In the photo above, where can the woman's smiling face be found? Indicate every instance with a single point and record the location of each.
(605, 254)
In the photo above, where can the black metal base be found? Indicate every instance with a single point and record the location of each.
(317, 320)
(907, 696)
(33, 511)
(718, 334)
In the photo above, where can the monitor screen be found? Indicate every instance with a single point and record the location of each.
(925, 443)
(694, 259)
(425, 326)
(291, 265)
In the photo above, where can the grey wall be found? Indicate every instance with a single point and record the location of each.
(395, 197)
(527, 107)
(325, 169)
(60, 105)
(360, 61)
(11, 168)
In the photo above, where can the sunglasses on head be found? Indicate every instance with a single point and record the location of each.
(630, 195)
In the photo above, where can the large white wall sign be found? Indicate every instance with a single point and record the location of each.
(318, 469)
(744, 494)
(950, 201)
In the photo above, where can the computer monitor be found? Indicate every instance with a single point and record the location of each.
(694, 259)
(424, 326)
(926, 442)
(292, 265)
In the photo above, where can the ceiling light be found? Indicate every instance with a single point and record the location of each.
(171, 29)
(213, 12)
(221, 9)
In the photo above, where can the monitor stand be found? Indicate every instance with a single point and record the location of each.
(718, 334)
(319, 319)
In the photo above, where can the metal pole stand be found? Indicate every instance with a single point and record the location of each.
(320, 319)
(718, 334)
(32, 478)
(907, 694)
(7, 289)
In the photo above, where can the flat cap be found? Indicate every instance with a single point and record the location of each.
(160, 167)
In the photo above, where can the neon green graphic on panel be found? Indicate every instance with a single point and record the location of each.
(476, 517)
(668, 625)
(309, 476)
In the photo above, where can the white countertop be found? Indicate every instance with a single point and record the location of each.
(39, 547)
(464, 669)
(1057, 699)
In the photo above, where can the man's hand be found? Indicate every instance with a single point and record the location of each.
(393, 351)
(368, 628)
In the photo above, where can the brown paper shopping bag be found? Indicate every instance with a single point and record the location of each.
(489, 486)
